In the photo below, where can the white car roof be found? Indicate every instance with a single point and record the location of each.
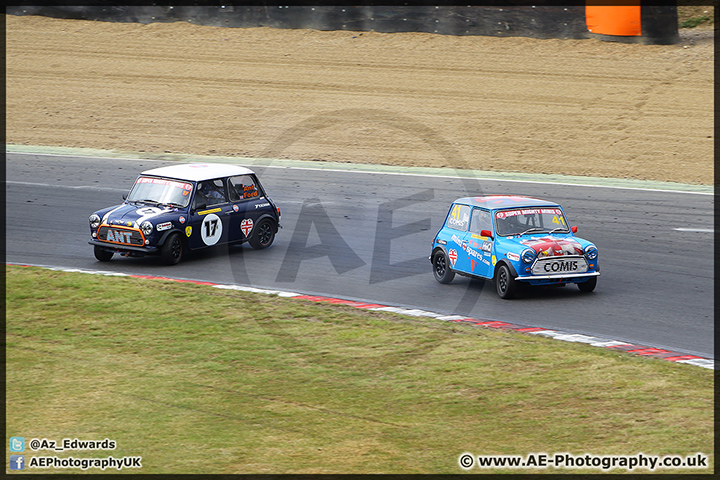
(196, 172)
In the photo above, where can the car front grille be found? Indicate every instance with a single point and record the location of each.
(122, 236)
(559, 265)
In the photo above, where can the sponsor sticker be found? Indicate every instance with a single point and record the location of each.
(457, 223)
(246, 226)
(181, 219)
(452, 254)
(207, 212)
(188, 231)
(235, 208)
(472, 252)
(164, 226)
(528, 211)
(249, 191)
(160, 181)
(513, 256)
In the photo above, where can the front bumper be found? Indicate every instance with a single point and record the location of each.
(149, 250)
(556, 279)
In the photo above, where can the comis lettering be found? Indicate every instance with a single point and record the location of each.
(561, 266)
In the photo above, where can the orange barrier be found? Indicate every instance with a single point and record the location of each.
(620, 20)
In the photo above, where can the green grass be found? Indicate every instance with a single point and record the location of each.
(201, 380)
(695, 21)
(690, 16)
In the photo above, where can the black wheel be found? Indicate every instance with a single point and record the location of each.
(102, 254)
(264, 234)
(441, 268)
(505, 284)
(172, 250)
(588, 285)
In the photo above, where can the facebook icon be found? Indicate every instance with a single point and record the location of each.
(17, 462)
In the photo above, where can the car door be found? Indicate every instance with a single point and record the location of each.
(477, 247)
(209, 216)
(247, 201)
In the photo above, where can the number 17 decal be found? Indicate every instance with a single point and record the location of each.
(211, 229)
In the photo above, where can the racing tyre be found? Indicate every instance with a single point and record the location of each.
(172, 250)
(102, 254)
(588, 285)
(441, 268)
(264, 235)
(505, 284)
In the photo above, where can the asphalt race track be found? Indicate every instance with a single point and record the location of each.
(366, 236)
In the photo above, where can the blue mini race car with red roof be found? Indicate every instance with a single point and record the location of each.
(512, 239)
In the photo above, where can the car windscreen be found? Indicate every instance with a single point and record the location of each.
(161, 191)
(530, 220)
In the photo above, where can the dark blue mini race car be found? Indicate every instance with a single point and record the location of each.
(171, 210)
(511, 239)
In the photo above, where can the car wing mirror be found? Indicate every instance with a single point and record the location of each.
(574, 229)
(486, 233)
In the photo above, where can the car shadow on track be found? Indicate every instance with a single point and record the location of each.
(189, 257)
(525, 292)
(550, 292)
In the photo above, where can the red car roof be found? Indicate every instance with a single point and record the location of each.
(504, 201)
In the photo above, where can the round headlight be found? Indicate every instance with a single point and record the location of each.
(146, 227)
(528, 255)
(94, 221)
(591, 252)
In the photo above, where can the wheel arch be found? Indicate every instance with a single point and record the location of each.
(276, 223)
(508, 264)
(438, 248)
(181, 234)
